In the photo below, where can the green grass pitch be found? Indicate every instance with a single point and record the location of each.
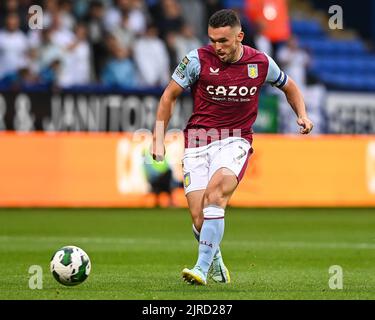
(139, 254)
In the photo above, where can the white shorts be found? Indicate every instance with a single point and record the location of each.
(199, 164)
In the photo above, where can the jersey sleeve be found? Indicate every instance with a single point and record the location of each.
(187, 72)
(275, 76)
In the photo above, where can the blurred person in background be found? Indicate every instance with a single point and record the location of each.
(119, 70)
(61, 35)
(169, 19)
(14, 46)
(94, 20)
(295, 61)
(65, 8)
(50, 9)
(159, 175)
(20, 79)
(47, 52)
(225, 78)
(19, 7)
(49, 74)
(46, 59)
(76, 69)
(63, 38)
(7, 7)
(185, 41)
(123, 32)
(170, 42)
(194, 14)
(261, 42)
(136, 12)
(273, 19)
(151, 58)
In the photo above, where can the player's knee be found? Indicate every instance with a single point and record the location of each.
(214, 197)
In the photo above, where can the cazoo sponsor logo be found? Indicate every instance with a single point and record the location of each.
(231, 91)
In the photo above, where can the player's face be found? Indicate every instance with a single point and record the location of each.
(226, 41)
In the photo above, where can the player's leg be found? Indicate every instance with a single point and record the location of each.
(227, 165)
(195, 170)
(215, 198)
(195, 203)
(218, 271)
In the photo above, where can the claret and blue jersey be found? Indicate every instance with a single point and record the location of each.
(226, 95)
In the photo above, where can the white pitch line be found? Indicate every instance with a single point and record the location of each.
(227, 243)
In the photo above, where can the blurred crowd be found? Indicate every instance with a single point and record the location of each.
(126, 43)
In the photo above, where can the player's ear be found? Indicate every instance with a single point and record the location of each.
(240, 36)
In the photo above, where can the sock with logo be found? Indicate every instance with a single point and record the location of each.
(210, 236)
(197, 234)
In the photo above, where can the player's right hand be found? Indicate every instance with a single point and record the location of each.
(157, 151)
(306, 125)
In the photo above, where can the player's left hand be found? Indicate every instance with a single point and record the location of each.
(306, 125)
(157, 150)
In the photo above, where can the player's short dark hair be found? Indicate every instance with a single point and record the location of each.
(224, 18)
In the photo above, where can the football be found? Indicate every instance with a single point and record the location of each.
(70, 265)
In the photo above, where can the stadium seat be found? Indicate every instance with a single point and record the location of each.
(310, 28)
(342, 64)
(324, 45)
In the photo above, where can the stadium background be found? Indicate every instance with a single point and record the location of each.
(77, 105)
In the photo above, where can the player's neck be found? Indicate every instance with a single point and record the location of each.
(239, 54)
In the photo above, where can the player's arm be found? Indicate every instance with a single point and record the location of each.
(163, 115)
(185, 74)
(295, 99)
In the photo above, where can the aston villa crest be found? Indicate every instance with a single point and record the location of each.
(187, 180)
(252, 70)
